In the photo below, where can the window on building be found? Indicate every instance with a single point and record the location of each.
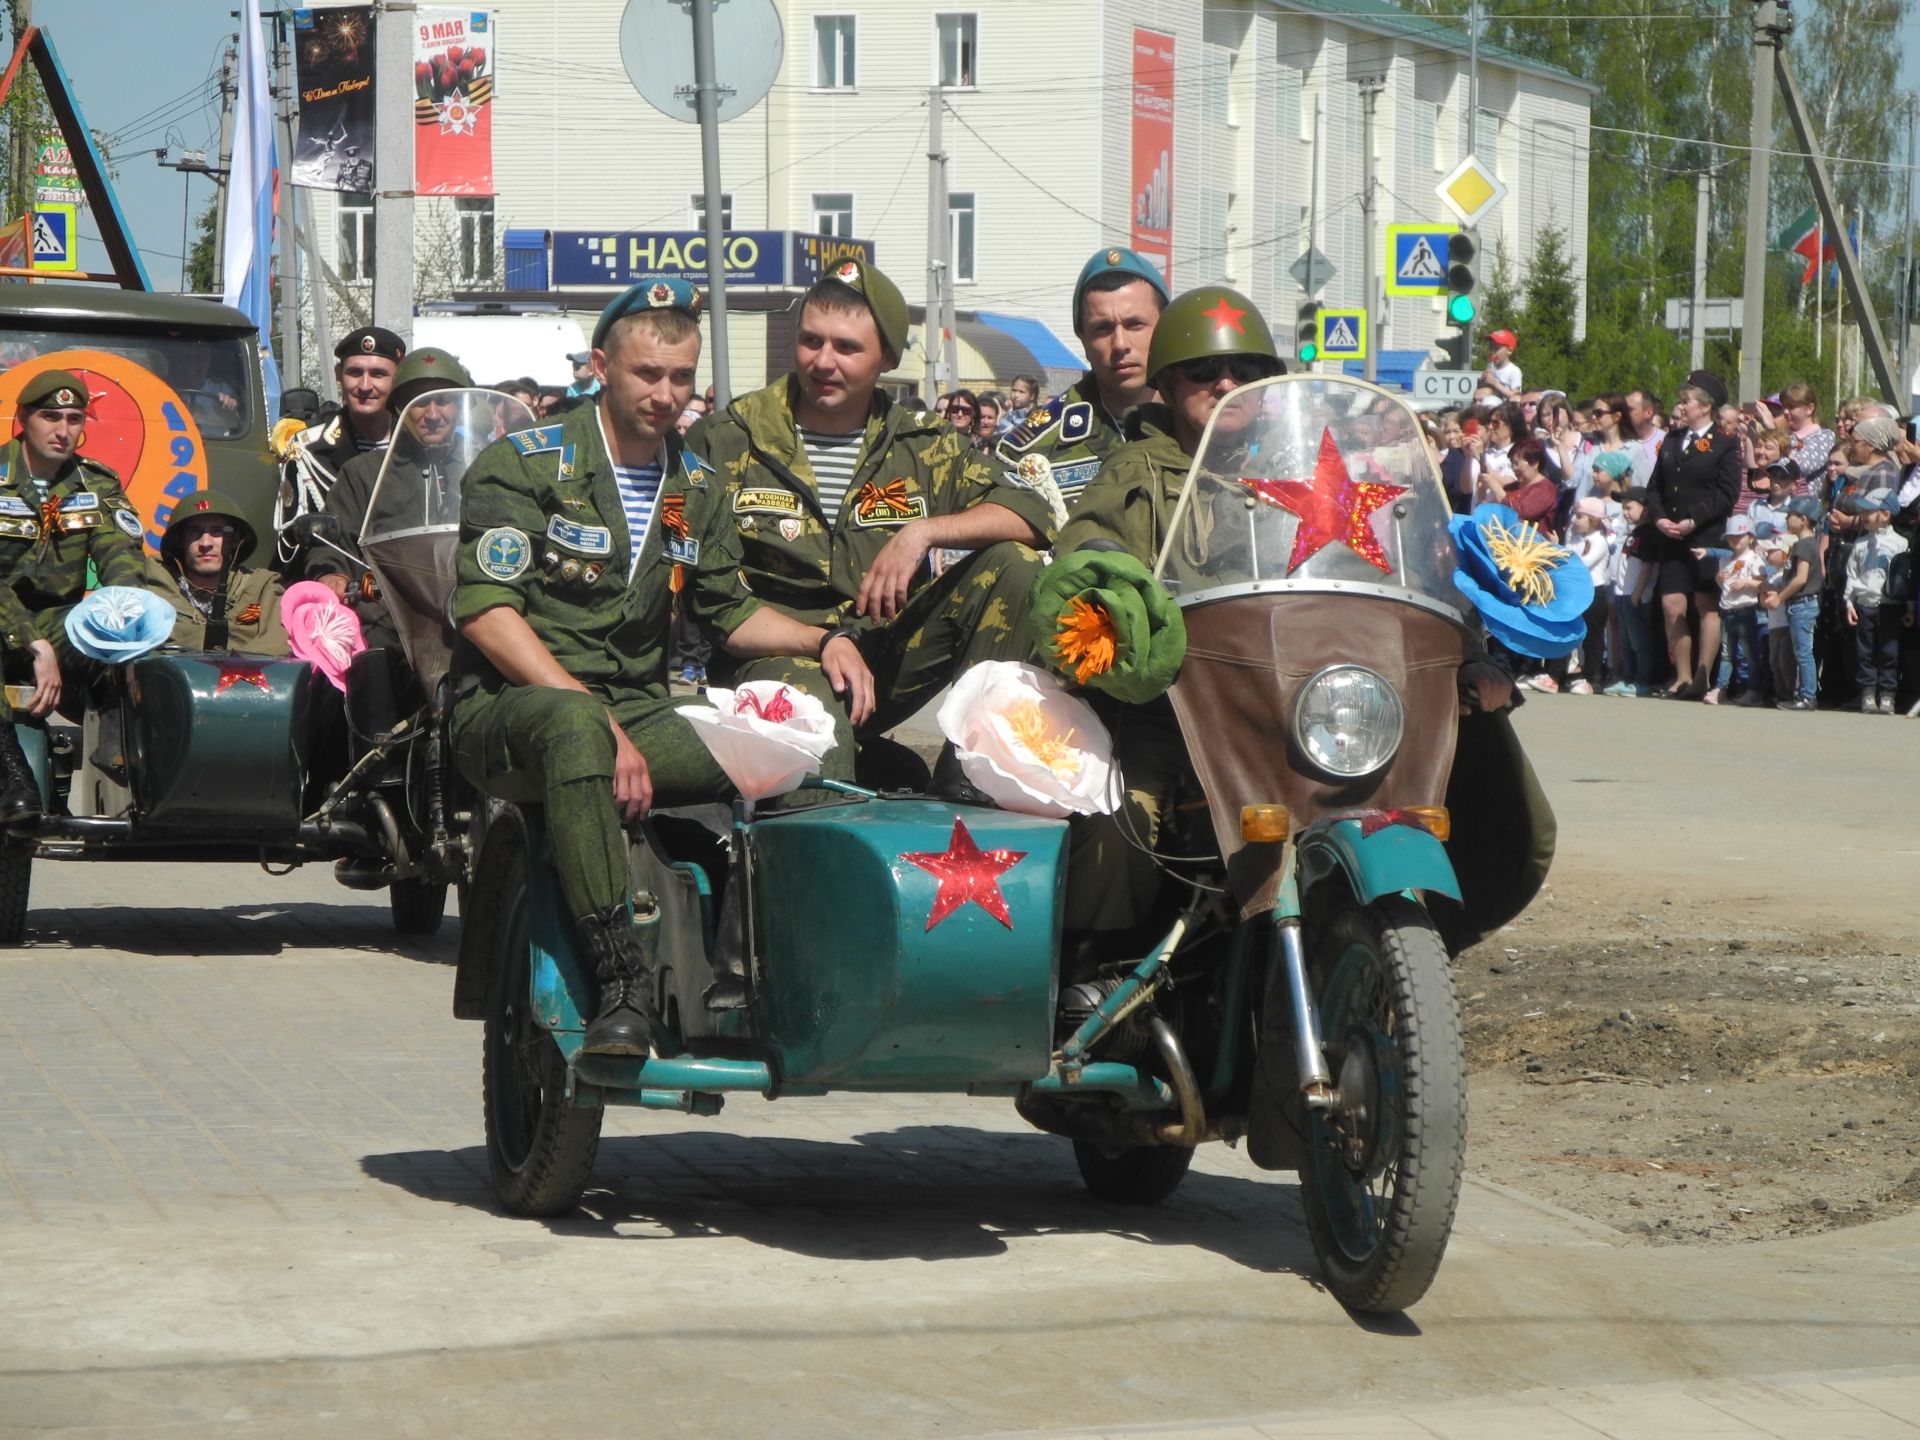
(1292, 116)
(1487, 147)
(475, 217)
(833, 214)
(353, 244)
(697, 204)
(959, 39)
(960, 224)
(833, 50)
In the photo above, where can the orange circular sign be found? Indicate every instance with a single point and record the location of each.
(137, 425)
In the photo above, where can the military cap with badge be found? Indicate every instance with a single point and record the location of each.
(53, 390)
(371, 340)
(883, 299)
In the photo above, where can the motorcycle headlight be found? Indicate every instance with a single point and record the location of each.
(1348, 721)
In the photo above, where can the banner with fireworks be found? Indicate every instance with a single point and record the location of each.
(453, 102)
(333, 50)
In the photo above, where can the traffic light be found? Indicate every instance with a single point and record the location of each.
(1306, 332)
(1463, 255)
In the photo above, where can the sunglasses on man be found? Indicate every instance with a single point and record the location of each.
(1245, 369)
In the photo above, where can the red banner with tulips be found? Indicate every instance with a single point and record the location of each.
(453, 102)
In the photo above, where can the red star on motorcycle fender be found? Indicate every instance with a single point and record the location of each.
(1331, 506)
(1225, 317)
(966, 873)
(232, 677)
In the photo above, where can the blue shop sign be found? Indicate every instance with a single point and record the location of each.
(752, 257)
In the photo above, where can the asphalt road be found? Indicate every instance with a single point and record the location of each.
(242, 1192)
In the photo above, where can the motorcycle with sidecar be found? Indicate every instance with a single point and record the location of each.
(231, 756)
(1296, 994)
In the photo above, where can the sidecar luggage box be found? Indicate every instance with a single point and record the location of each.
(883, 963)
(218, 742)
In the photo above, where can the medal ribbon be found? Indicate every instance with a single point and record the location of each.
(893, 495)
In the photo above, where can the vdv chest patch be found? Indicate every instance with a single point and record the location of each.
(15, 505)
(778, 502)
(503, 553)
(581, 539)
(683, 552)
(1072, 479)
(80, 502)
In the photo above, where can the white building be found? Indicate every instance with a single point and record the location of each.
(1040, 133)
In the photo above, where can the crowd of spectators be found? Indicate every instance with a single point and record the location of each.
(1741, 554)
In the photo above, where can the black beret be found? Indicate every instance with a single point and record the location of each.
(371, 340)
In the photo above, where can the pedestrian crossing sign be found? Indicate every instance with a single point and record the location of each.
(1343, 334)
(1417, 259)
(51, 236)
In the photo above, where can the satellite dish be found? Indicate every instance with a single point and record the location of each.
(656, 46)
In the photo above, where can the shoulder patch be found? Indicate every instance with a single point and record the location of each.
(128, 522)
(503, 553)
(1076, 422)
(533, 442)
(697, 468)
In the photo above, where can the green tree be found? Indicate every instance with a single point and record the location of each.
(199, 277)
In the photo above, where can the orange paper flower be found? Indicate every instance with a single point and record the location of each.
(1087, 641)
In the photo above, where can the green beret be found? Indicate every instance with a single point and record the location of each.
(53, 389)
(1101, 618)
(883, 298)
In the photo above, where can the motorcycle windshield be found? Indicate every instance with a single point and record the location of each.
(412, 530)
(1312, 482)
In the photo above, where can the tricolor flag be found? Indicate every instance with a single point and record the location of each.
(253, 193)
(1805, 233)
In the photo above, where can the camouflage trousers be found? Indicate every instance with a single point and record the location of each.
(533, 745)
(975, 611)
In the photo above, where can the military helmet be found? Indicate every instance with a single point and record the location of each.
(207, 502)
(428, 369)
(1212, 320)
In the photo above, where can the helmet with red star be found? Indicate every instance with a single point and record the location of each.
(1213, 320)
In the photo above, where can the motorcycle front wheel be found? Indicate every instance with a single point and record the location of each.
(1382, 1175)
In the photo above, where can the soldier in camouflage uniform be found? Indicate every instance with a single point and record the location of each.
(1116, 304)
(851, 565)
(202, 555)
(571, 537)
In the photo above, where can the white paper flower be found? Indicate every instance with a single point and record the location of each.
(767, 736)
(1028, 744)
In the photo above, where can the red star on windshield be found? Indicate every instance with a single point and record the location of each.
(1331, 506)
(966, 873)
(1225, 317)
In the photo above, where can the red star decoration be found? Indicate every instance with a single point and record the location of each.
(1331, 506)
(966, 874)
(1225, 317)
(230, 678)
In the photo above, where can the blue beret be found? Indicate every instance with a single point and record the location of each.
(1116, 262)
(651, 293)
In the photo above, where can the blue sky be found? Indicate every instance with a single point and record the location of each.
(178, 44)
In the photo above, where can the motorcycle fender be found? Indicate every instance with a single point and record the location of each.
(1392, 859)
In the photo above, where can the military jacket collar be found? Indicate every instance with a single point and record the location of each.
(768, 418)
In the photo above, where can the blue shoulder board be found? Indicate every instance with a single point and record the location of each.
(1029, 431)
(532, 442)
(1076, 422)
(698, 467)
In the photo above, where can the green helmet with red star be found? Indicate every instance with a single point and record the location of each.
(1213, 320)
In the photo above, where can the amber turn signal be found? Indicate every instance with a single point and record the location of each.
(1269, 823)
(1431, 818)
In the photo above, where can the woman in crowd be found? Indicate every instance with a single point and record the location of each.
(1696, 483)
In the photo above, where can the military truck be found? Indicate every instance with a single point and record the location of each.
(174, 386)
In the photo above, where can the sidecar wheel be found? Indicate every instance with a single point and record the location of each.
(16, 878)
(1382, 1175)
(1134, 1174)
(540, 1146)
(418, 905)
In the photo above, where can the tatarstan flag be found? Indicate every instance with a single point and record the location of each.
(1801, 237)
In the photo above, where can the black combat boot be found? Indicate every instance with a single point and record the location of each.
(19, 792)
(623, 1025)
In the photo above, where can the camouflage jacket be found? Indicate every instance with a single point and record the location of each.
(253, 610)
(47, 543)
(913, 465)
(1131, 501)
(1073, 431)
(542, 530)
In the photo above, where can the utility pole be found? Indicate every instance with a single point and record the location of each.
(1753, 289)
(1313, 193)
(1905, 311)
(393, 97)
(316, 286)
(1697, 350)
(227, 62)
(706, 91)
(1473, 77)
(937, 226)
(292, 366)
(1370, 88)
(1839, 311)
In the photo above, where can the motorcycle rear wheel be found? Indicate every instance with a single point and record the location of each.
(540, 1146)
(1382, 1175)
(418, 905)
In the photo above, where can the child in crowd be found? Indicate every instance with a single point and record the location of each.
(1632, 584)
(1776, 637)
(1875, 616)
(1798, 598)
(1740, 580)
(1770, 507)
(1593, 543)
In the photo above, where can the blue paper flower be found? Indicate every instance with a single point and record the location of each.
(1543, 629)
(118, 623)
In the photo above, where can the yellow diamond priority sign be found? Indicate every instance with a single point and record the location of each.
(1470, 191)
